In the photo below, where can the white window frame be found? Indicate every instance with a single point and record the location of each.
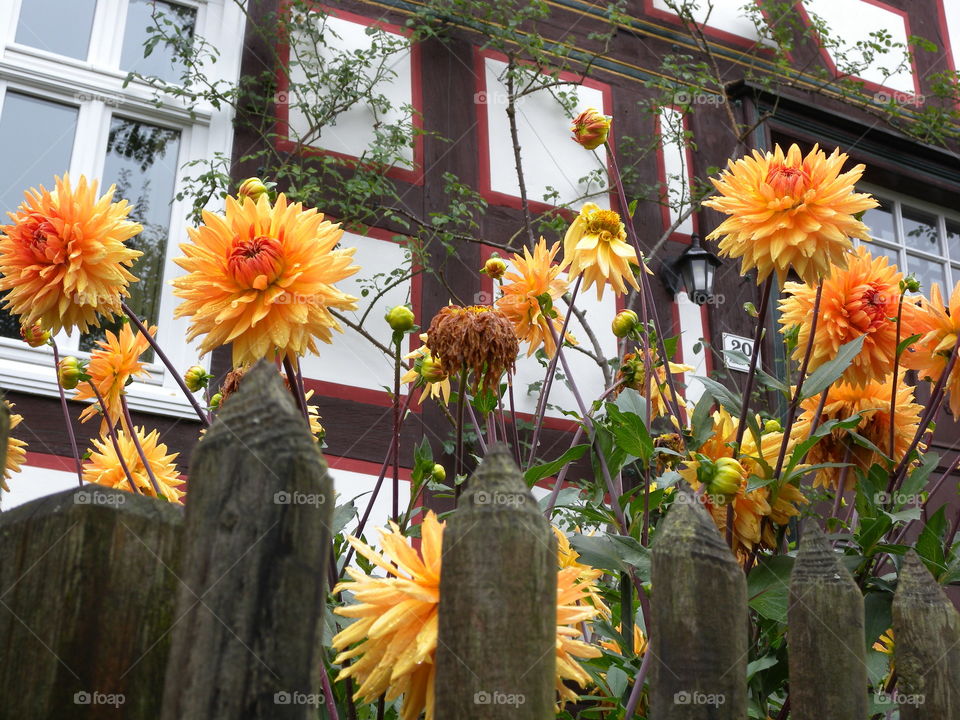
(95, 87)
(896, 201)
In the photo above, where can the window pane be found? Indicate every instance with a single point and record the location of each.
(880, 222)
(146, 19)
(876, 249)
(953, 239)
(927, 272)
(27, 163)
(60, 26)
(142, 162)
(920, 231)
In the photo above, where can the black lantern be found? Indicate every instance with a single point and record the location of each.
(693, 271)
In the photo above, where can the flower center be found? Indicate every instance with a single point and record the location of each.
(788, 181)
(605, 224)
(256, 263)
(873, 302)
(40, 243)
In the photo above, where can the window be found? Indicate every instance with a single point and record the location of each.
(65, 106)
(919, 238)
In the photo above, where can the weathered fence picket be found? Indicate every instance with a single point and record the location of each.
(926, 632)
(699, 622)
(496, 653)
(825, 636)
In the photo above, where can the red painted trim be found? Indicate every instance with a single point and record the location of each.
(364, 467)
(867, 84)
(662, 176)
(63, 463)
(283, 142)
(724, 35)
(483, 135)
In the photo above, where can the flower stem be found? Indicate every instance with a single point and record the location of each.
(638, 682)
(893, 388)
(328, 692)
(551, 373)
(166, 361)
(112, 431)
(298, 394)
(458, 457)
(751, 374)
(477, 427)
(66, 412)
(138, 446)
(397, 361)
(513, 421)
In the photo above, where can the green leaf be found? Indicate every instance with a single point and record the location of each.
(722, 394)
(617, 681)
(801, 449)
(342, 515)
(617, 553)
(630, 432)
(701, 422)
(824, 376)
(629, 400)
(876, 606)
(538, 472)
(917, 480)
(422, 462)
(907, 342)
(768, 586)
(871, 530)
(930, 542)
(763, 663)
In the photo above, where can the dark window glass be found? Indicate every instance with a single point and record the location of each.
(151, 27)
(59, 26)
(920, 231)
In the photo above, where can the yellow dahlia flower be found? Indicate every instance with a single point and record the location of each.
(394, 637)
(534, 279)
(63, 258)
(873, 401)
(939, 325)
(749, 508)
(789, 212)
(16, 450)
(633, 372)
(595, 246)
(262, 277)
(111, 367)
(103, 466)
(860, 299)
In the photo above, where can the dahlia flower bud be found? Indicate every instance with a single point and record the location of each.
(591, 128)
(253, 188)
(215, 401)
(439, 474)
(910, 284)
(196, 378)
(431, 370)
(495, 267)
(771, 426)
(70, 372)
(35, 335)
(400, 318)
(624, 323)
(727, 476)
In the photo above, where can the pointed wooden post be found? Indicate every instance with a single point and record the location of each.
(88, 580)
(926, 645)
(699, 622)
(247, 639)
(496, 654)
(825, 631)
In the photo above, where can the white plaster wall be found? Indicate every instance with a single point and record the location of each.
(951, 12)
(356, 486)
(354, 129)
(676, 169)
(725, 15)
(35, 482)
(551, 159)
(691, 332)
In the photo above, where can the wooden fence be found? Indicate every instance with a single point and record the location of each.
(116, 605)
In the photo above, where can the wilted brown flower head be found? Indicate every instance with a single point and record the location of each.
(479, 338)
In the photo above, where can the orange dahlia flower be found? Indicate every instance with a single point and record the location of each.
(859, 299)
(63, 258)
(103, 466)
(112, 365)
(262, 277)
(872, 400)
(750, 509)
(394, 637)
(633, 373)
(534, 279)
(789, 212)
(596, 247)
(939, 324)
(16, 450)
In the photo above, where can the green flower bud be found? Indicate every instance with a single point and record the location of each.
(910, 284)
(727, 478)
(624, 323)
(495, 267)
(196, 378)
(439, 474)
(771, 426)
(70, 372)
(215, 401)
(400, 318)
(431, 370)
(253, 188)
(35, 335)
